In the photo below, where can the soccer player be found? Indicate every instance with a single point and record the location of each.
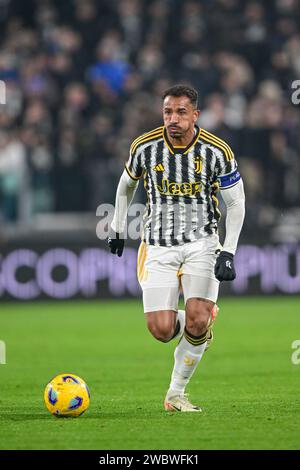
(183, 166)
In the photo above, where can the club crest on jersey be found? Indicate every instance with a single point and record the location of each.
(198, 164)
(168, 188)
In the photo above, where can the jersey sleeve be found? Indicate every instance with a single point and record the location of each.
(133, 165)
(226, 170)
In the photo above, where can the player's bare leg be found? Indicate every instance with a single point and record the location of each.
(188, 353)
(180, 325)
(210, 335)
(162, 324)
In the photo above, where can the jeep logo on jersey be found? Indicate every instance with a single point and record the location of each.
(168, 188)
(198, 164)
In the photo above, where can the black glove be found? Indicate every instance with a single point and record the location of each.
(224, 268)
(115, 243)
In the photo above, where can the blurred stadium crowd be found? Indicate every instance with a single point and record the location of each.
(85, 77)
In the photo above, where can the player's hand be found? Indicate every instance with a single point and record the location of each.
(115, 243)
(224, 268)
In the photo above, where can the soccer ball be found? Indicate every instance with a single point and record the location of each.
(67, 395)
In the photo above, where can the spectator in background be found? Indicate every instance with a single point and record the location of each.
(110, 71)
(80, 75)
(12, 177)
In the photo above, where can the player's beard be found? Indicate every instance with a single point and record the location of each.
(176, 133)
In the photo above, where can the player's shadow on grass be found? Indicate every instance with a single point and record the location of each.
(139, 413)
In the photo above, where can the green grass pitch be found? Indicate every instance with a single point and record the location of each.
(246, 383)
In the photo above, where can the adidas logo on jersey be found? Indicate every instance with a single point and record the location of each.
(159, 167)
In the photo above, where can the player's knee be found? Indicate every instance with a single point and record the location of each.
(162, 332)
(197, 320)
(196, 326)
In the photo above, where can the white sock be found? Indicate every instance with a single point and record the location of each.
(181, 320)
(187, 357)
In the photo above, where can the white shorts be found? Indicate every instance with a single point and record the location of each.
(164, 271)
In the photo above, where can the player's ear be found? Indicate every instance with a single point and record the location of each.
(196, 115)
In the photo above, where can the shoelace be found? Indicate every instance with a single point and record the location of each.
(185, 400)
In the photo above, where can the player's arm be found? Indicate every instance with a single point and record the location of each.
(233, 195)
(125, 193)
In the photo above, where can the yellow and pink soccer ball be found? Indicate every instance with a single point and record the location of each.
(67, 395)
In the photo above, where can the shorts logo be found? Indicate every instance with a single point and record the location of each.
(168, 188)
(198, 164)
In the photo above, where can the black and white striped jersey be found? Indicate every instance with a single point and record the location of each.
(181, 184)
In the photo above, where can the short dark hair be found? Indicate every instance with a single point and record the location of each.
(183, 90)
